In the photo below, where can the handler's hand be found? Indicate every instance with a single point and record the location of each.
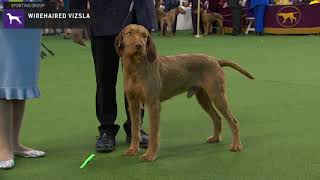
(77, 36)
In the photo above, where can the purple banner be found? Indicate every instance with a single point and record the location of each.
(295, 19)
(298, 16)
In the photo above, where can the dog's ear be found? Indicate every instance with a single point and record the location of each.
(151, 50)
(118, 44)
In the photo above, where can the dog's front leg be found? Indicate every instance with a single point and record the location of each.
(154, 141)
(134, 109)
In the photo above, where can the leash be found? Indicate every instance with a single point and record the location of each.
(125, 21)
(123, 25)
(46, 48)
(130, 11)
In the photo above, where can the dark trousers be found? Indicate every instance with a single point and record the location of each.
(259, 12)
(194, 23)
(174, 28)
(236, 19)
(106, 63)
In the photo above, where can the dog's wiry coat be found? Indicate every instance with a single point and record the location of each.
(150, 79)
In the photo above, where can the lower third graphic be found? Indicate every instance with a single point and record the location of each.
(13, 18)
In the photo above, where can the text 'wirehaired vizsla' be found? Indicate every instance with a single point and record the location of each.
(150, 79)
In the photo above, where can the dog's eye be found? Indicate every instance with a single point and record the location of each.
(144, 35)
(128, 33)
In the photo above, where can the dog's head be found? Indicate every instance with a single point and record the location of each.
(201, 11)
(135, 41)
(180, 10)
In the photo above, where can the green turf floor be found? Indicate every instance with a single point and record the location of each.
(278, 115)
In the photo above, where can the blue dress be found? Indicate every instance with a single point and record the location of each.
(258, 7)
(19, 63)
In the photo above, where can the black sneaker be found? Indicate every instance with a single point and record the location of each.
(106, 143)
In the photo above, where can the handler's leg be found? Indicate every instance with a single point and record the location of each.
(259, 12)
(106, 63)
(18, 148)
(174, 28)
(6, 151)
(236, 20)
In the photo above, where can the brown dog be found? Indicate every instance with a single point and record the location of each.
(159, 12)
(150, 79)
(168, 18)
(209, 18)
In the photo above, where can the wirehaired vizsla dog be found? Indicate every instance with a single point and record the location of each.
(208, 18)
(167, 20)
(150, 79)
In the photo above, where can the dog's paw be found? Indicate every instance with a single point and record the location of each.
(148, 157)
(131, 152)
(236, 147)
(214, 139)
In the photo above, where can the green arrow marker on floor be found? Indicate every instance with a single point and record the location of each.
(87, 161)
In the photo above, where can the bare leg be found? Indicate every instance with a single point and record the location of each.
(18, 113)
(135, 114)
(154, 142)
(206, 104)
(6, 149)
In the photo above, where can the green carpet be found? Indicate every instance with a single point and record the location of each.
(277, 113)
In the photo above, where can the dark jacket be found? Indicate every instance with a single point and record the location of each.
(170, 4)
(108, 16)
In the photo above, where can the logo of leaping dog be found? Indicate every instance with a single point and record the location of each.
(287, 16)
(12, 17)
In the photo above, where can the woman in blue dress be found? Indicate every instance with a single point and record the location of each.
(19, 70)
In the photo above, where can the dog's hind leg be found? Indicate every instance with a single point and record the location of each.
(135, 115)
(220, 101)
(221, 27)
(207, 106)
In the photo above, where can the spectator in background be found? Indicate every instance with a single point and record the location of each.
(168, 5)
(236, 9)
(258, 7)
(194, 5)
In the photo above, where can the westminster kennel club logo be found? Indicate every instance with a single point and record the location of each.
(288, 16)
(13, 18)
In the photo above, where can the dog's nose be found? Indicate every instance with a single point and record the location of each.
(138, 46)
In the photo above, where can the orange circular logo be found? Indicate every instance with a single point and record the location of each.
(288, 16)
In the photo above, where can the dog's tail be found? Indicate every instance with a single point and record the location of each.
(236, 67)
